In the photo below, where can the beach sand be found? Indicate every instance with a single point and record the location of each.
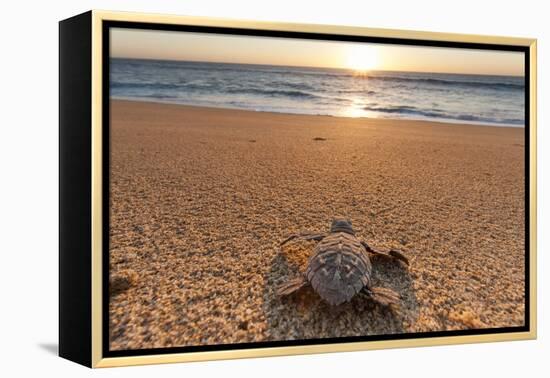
(201, 198)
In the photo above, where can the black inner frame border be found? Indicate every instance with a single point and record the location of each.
(107, 25)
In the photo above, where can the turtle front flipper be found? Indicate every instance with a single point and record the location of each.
(399, 256)
(291, 286)
(384, 296)
(393, 253)
(303, 236)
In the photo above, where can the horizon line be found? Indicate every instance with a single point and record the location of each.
(321, 67)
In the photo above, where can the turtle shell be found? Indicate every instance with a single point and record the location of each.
(339, 267)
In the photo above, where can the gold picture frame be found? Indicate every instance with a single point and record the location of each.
(82, 204)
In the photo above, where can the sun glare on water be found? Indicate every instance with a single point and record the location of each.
(362, 58)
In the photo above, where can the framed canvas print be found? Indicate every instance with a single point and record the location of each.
(235, 189)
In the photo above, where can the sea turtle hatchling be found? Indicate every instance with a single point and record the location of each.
(340, 267)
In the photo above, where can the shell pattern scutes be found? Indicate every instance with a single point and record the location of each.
(339, 267)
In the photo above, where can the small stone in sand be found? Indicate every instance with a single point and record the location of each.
(122, 281)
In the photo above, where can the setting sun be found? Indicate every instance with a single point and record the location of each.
(362, 58)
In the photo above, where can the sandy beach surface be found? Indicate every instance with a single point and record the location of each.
(201, 198)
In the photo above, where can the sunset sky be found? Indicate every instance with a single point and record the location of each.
(149, 44)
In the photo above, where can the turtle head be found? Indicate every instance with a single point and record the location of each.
(341, 225)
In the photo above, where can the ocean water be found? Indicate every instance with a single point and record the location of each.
(479, 99)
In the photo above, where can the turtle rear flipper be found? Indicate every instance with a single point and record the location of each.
(384, 296)
(291, 286)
